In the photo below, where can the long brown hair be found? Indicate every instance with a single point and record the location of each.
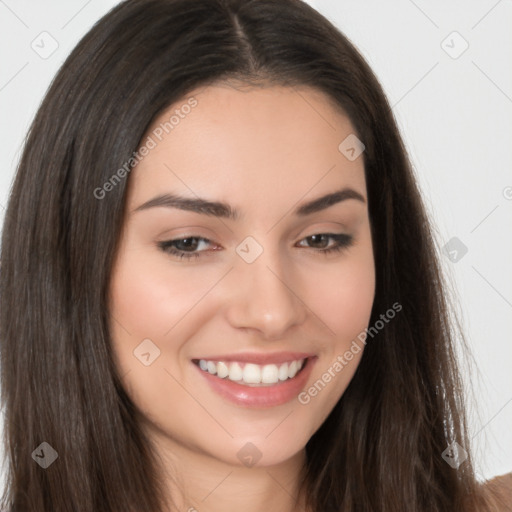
(381, 447)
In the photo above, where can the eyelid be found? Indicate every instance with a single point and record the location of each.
(321, 227)
(192, 231)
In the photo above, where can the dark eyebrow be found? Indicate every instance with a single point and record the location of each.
(324, 202)
(223, 210)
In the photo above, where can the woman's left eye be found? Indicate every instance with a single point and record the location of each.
(341, 241)
(187, 248)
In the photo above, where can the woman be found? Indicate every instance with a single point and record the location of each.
(219, 286)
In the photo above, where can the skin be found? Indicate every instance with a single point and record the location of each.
(264, 151)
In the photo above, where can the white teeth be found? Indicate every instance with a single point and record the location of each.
(292, 369)
(252, 374)
(235, 372)
(270, 374)
(222, 369)
(283, 371)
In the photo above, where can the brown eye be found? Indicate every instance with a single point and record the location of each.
(320, 242)
(184, 247)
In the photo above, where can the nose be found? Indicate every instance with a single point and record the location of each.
(265, 298)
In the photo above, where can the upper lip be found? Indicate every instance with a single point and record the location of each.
(259, 358)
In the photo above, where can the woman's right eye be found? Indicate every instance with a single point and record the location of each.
(184, 248)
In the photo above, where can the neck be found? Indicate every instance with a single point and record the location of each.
(197, 482)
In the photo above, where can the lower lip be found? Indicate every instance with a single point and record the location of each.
(260, 396)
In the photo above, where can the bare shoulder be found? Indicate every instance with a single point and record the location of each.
(498, 492)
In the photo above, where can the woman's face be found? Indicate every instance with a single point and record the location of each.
(228, 264)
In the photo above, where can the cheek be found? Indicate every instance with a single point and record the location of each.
(342, 295)
(149, 299)
(146, 302)
(143, 307)
(344, 304)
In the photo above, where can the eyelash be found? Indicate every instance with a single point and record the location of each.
(342, 242)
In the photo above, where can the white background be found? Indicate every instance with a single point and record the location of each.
(454, 113)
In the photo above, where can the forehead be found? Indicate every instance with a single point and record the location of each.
(220, 141)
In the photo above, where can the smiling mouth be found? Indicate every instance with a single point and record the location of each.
(253, 375)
